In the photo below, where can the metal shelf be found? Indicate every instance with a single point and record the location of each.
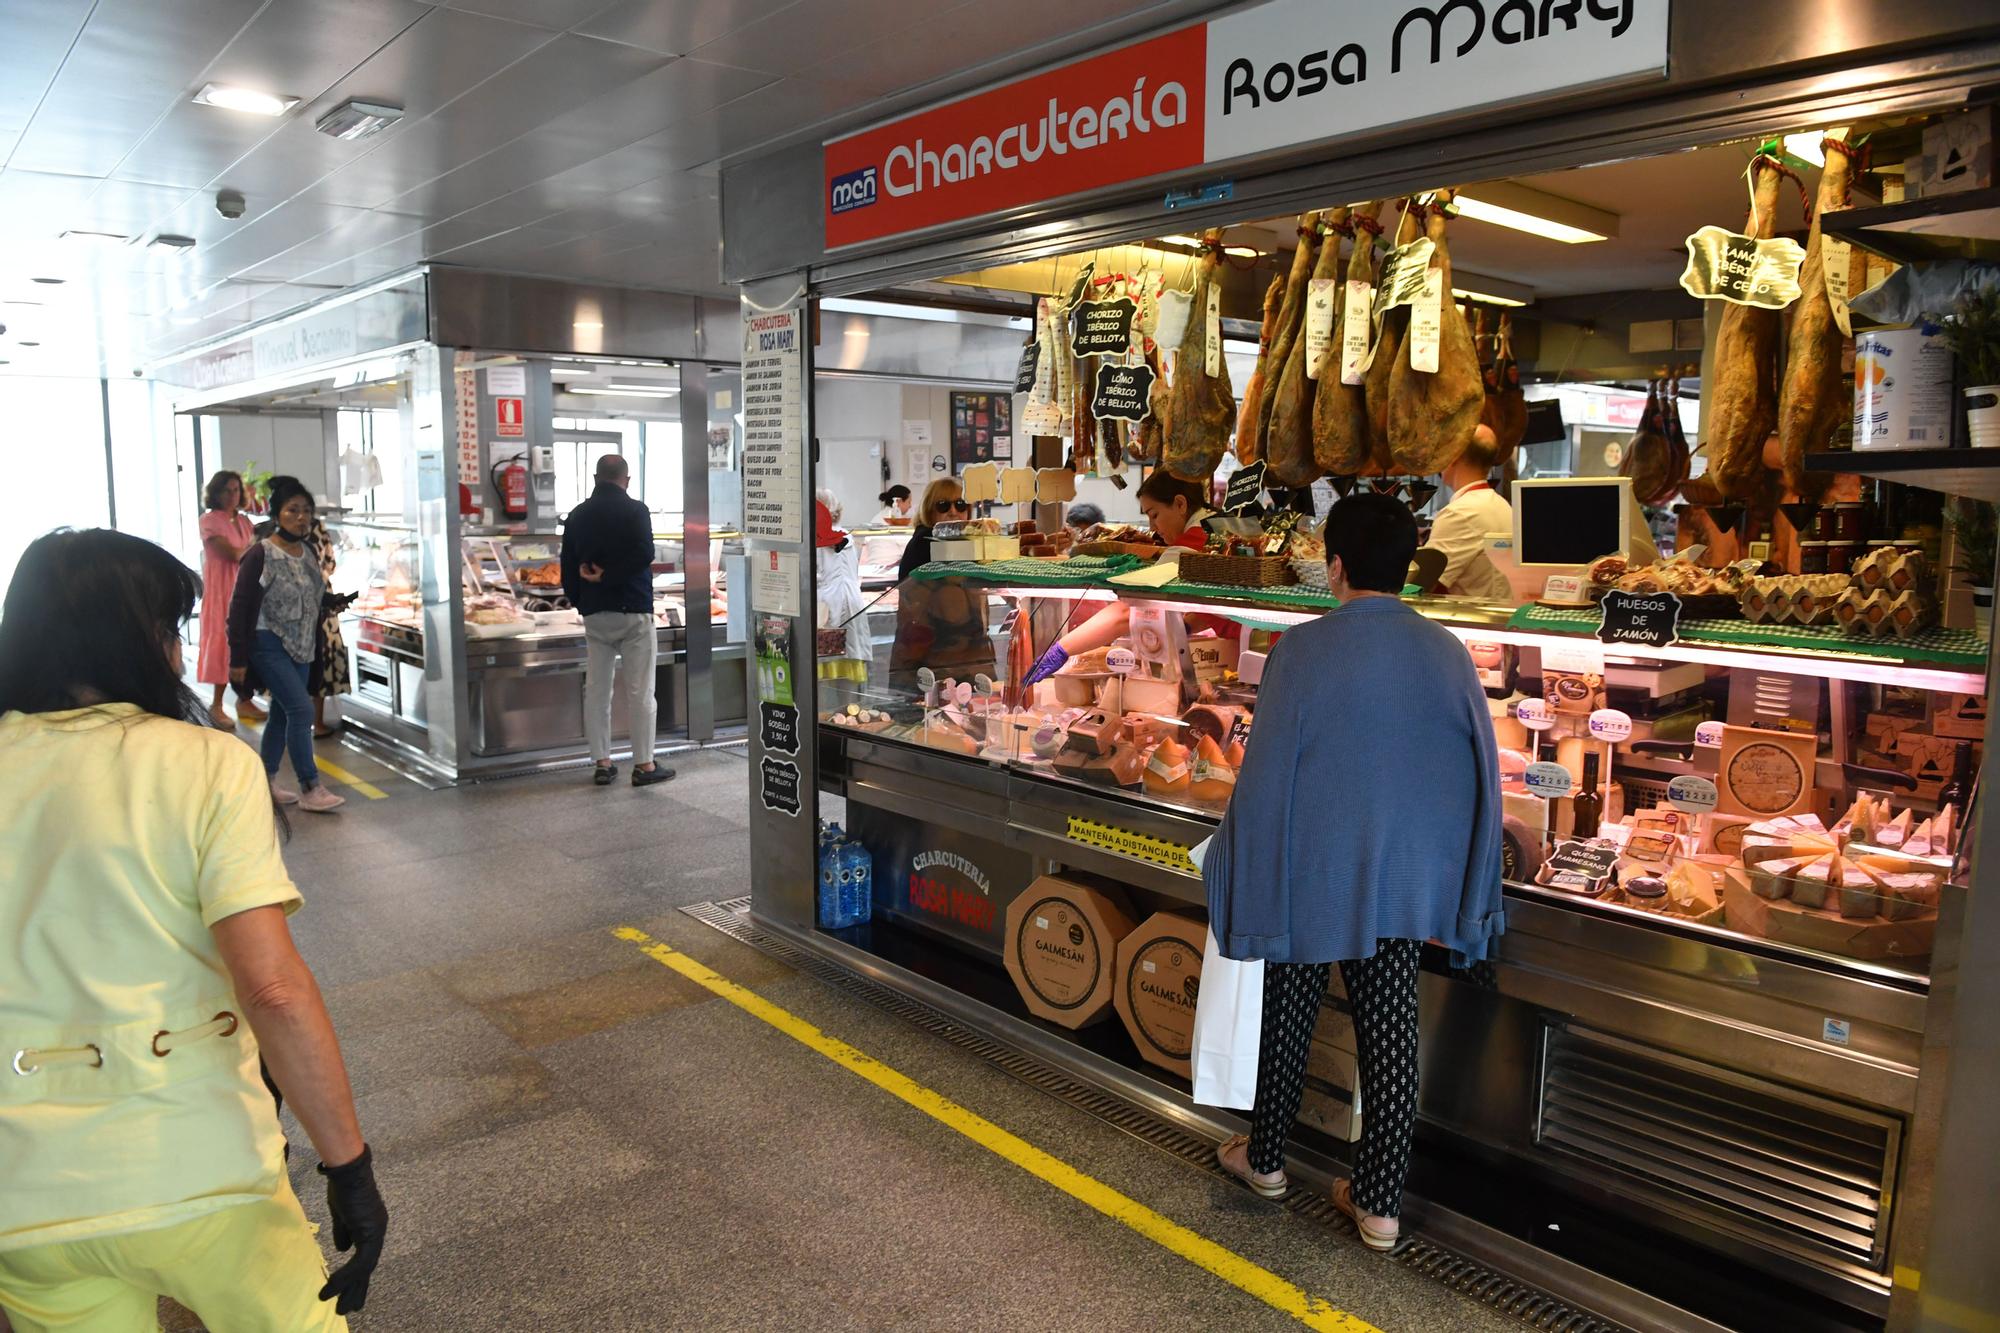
(1969, 472)
(1965, 225)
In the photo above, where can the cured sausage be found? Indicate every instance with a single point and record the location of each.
(1201, 408)
(1432, 415)
(1809, 399)
(1288, 443)
(1340, 415)
(1745, 409)
(1250, 444)
(1388, 351)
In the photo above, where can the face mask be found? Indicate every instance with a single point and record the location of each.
(298, 529)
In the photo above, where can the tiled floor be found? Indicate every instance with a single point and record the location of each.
(571, 1136)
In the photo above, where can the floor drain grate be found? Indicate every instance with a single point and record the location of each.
(1535, 1308)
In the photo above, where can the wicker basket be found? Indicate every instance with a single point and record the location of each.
(1236, 571)
(1310, 571)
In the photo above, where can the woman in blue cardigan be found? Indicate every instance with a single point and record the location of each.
(1366, 820)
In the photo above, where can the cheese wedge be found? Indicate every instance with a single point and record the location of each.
(1759, 849)
(1944, 831)
(1897, 831)
(1904, 895)
(1773, 879)
(1921, 840)
(1860, 896)
(1810, 883)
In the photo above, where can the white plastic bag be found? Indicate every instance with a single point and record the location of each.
(1228, 1024)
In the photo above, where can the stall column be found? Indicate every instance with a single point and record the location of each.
(430, 485)
(699, 632)
(777, 523)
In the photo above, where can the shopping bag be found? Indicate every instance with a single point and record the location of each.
(1228, 1023)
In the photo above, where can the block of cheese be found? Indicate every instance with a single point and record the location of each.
(1159, 972)
(1062, 948)
(1760, 848)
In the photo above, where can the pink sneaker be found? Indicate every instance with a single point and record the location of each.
(320, 800)
(282, 794)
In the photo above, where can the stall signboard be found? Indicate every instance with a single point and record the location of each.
(948, 882)
(774, 453)
(1274, 76)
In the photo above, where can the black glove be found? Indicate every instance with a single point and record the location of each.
(360, 1221)
(338, 601)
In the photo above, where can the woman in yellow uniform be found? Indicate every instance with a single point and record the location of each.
(144, 964)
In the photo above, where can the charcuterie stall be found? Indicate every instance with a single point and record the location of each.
(1680, 361)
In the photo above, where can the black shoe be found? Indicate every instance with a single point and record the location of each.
(605, 775)
(646, 777)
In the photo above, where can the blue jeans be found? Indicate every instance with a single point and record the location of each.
(291, 724)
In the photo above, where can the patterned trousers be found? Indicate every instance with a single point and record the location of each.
(1382, 996)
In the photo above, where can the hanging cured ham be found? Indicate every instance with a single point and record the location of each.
(1809, 398)
(1249, 443)
(1340, 414)
(1506, 409)
(1649, 454)
(1288, 444)
(1744, 410)
(1291, 323)
(1432, 415)
(1388, 352)
(1682, 454)
(1145, 445)
(1201, 408)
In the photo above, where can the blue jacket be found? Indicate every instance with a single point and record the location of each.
(615, 532)
(1368, 806)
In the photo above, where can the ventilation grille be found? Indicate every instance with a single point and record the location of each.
(1804, 1173)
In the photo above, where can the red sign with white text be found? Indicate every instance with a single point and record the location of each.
(1122, 116)
(509, 418)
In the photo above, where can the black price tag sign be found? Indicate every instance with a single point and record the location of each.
(1595, 858)
(1124, 392)
(1728, 266)
(1104, 328)
(1245, 485)
(1031, 364)
(781, 727)
(779, 786)
(1082, 283)
(1649, 619)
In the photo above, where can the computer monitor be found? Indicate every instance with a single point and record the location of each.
(1567, 522)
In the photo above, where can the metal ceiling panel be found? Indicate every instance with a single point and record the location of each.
(554, 15)
(296, 50)
(39, 35)
(676, 27)
(804, 36)
(133, 62)
(273, 233)
(555, 78)
(1064, 26)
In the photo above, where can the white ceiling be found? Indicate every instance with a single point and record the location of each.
(574, 138)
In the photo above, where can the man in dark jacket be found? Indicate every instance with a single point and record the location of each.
(607, 568)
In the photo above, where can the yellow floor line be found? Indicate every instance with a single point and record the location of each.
(347, 779)
(1197, 1249)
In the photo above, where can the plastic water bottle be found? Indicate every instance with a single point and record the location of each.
(831, 903)
(857, 876)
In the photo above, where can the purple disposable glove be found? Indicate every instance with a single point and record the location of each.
(1049, 663)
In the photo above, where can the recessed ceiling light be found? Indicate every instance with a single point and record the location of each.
(36, 304)
(169, 241)
(50, 282)
(26, 343)
(1505, 204)
(244, 99)
(96, 237)
(355, 119)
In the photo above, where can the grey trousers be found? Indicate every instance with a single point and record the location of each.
(625, 641)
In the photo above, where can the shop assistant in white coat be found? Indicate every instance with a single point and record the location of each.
(1461, 528)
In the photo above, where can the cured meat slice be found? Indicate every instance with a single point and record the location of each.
(1388, 351)
(1809, 399)
(1201, 408)
(1340, 412)
(1291, 321)
(1432, 416)
(1288, 443)
(1648, 454)
(1249, 443)
(1745, 407)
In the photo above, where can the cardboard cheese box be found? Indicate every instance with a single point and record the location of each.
(1159, 975)
(1960, 716)
(1062, 948)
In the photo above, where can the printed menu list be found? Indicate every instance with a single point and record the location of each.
(773, 425)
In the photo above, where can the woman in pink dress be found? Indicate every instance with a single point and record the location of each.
(225, 536)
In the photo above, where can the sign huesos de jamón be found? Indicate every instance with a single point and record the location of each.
(1282, 74)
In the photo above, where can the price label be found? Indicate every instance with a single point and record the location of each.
(1582, 657)
(1563, 588)
(1648, 619)
(1212, 328)
(1122, 392)
(1709, 735)
(1029, 369)
(1121, 661)
(1104, 328)
(1426, 323)
(1319, 321)
(1727, 266)
(1694, 794)
(1608, 724)
(1593, 858)
(1549, 781)
(1535, 714)
(1174, 308)
(1245, 485)
(1354, 332)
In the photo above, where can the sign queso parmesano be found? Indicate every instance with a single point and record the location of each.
(1273, 76)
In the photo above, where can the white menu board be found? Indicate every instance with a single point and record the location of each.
(774, 454)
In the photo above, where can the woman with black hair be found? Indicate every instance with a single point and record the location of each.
(145, 964)
(275, 624)
(225, 537)
(895, 507)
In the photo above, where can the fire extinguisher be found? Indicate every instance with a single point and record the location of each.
(510, 479)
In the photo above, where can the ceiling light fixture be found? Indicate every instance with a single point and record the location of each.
(355, 119)
(1487, 298)
(1504, 204)
(50, 282)
(1196, 243)
(166, 240)
(231, 98)
(622, 391)
(1469, 286)
(95, 237)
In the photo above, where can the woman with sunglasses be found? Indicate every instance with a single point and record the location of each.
(940, 623)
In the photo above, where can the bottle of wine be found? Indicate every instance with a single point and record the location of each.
(1959, 787)
(1588, 806)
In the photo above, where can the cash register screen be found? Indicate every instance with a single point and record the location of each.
(1570, 522)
